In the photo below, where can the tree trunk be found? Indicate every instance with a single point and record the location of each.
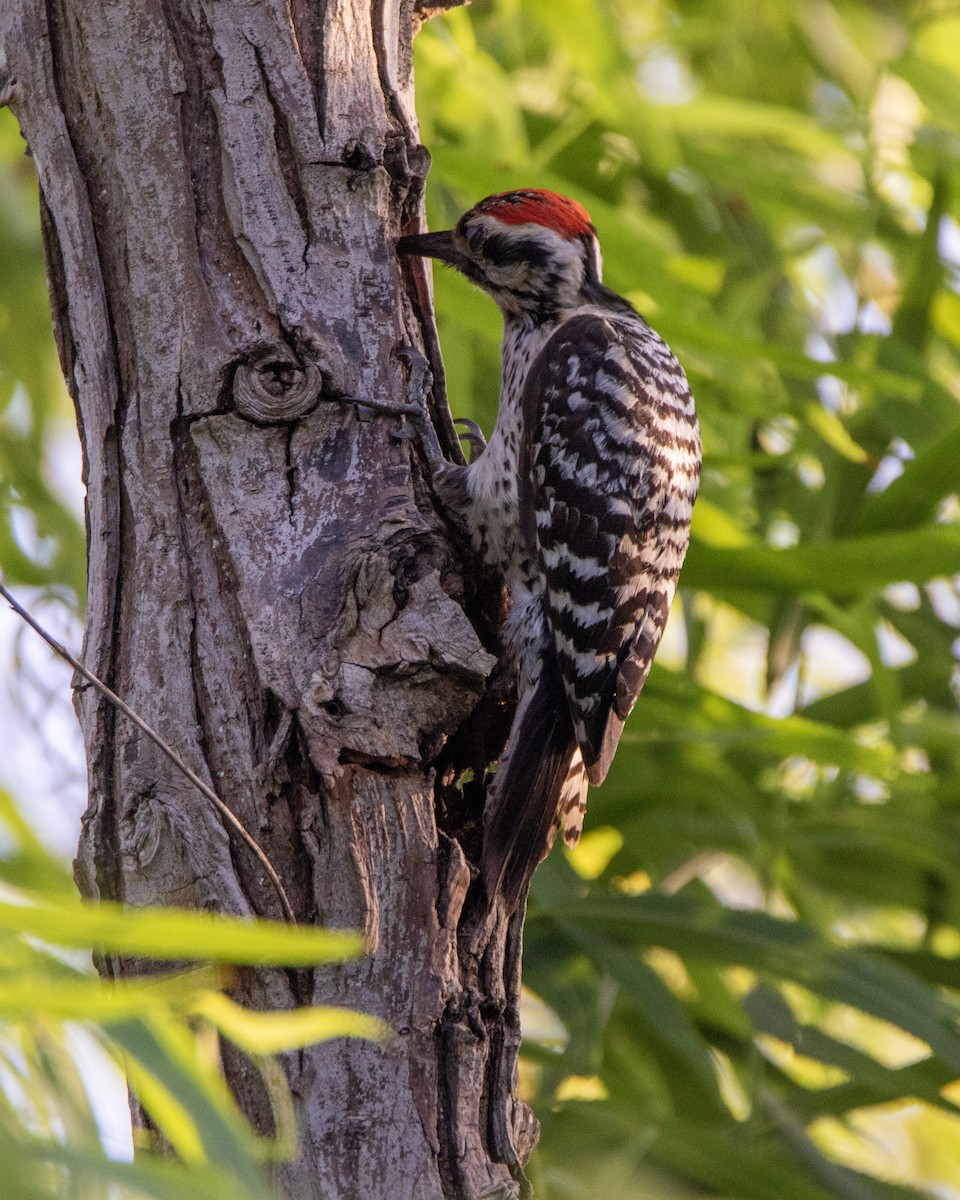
(269, 583)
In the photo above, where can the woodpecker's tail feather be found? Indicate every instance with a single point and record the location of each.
(573, 800)
(529, 791)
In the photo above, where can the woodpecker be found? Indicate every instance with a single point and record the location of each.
(582, 499)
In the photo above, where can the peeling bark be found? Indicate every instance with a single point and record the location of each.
(269, 584)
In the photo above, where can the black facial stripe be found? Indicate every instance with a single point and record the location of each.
(503, 250)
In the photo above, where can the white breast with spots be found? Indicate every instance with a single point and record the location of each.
(493, 516)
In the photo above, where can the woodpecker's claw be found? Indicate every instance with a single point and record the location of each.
(419, 383)
(473, 436)
(405, 433)
(402, 411)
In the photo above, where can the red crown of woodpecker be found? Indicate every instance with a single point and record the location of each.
(536, 206)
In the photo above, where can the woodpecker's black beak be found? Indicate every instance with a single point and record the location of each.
(435, 245)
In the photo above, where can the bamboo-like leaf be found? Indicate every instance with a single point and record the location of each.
(913, 499)
(731, 117)
(48, 988)
(666, 1020)
(271, 1032)
(190, 1105)
(154, 1178)
(732, 344)
(74, 999)
(727, 1162)
(694, 716)
(178, 934)
(841, 568)
(704, 930)
(912, 322)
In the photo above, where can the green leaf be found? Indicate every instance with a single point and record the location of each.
(179, 934)
(913, 498)
(191, 1105)
(677, 712)
(744, 120)
(912, 322)
(734, 344)
(271, 1032)
(89, 999)
(665, 1019)
(151, 1177)
(705, 930)
(738, 1164)
(847, 567)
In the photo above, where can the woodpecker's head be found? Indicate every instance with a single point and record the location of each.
(535, 252)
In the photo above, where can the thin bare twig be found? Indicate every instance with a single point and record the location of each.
(228, 815)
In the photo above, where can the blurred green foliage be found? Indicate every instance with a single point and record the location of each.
(752, 955)
(744, 983)
(41, 541)
(61, 1027)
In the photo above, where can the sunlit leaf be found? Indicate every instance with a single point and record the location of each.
(189, 1105)
(270, 1032)
(844, 568)
(179, 934)
(705, 930)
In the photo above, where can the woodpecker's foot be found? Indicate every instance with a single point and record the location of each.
(419, 386)
(386, 409)
(473, 436)
(419, 383)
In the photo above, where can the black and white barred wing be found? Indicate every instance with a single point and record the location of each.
(612, 460)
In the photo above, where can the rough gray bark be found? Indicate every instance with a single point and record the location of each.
(270, 586)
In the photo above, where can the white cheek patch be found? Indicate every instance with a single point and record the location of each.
(597, 257)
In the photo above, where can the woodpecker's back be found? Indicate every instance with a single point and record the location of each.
(583, 498)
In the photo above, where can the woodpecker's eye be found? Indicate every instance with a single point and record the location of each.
(475, 238)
